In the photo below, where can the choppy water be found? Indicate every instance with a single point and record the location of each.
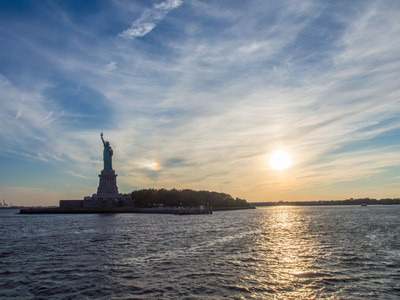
(341, 252)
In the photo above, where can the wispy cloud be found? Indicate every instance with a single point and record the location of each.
(77, 175)
(149, 19)
(111, 66)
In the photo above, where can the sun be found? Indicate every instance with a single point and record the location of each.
(280, 160)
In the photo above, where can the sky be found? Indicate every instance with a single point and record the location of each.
(199, 94)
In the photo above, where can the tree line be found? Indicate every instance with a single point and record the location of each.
(185, 197)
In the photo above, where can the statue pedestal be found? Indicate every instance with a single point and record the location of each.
(107, 193)
(108, 183)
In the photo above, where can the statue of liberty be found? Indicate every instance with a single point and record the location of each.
(107, 155)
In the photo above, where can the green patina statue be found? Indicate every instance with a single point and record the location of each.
(107, 155)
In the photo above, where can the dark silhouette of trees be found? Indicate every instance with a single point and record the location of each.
(185, 197)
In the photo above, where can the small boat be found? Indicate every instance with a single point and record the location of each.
(363, 204)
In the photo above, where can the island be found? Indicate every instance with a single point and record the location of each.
(109, 200)
(159, 201)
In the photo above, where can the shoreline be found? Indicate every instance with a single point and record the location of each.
(113, 210)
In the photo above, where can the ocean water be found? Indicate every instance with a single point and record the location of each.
(331, 252)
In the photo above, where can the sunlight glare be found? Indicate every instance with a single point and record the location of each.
(153, 165)
(280, 160)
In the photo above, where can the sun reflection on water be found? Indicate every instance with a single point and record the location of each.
(289, 254)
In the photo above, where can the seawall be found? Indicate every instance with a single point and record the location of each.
(112, 210)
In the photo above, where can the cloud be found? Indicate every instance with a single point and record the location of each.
(149, 19)
(111, 66)
(77, 175)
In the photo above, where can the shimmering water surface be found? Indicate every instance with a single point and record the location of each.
(332, 252)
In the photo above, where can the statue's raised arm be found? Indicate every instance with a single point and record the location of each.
(104, 143)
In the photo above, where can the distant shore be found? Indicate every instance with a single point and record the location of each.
(351, 201)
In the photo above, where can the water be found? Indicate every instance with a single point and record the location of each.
(332, 252)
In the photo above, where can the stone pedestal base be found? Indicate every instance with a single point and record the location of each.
(107, 195)
(108, 183)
